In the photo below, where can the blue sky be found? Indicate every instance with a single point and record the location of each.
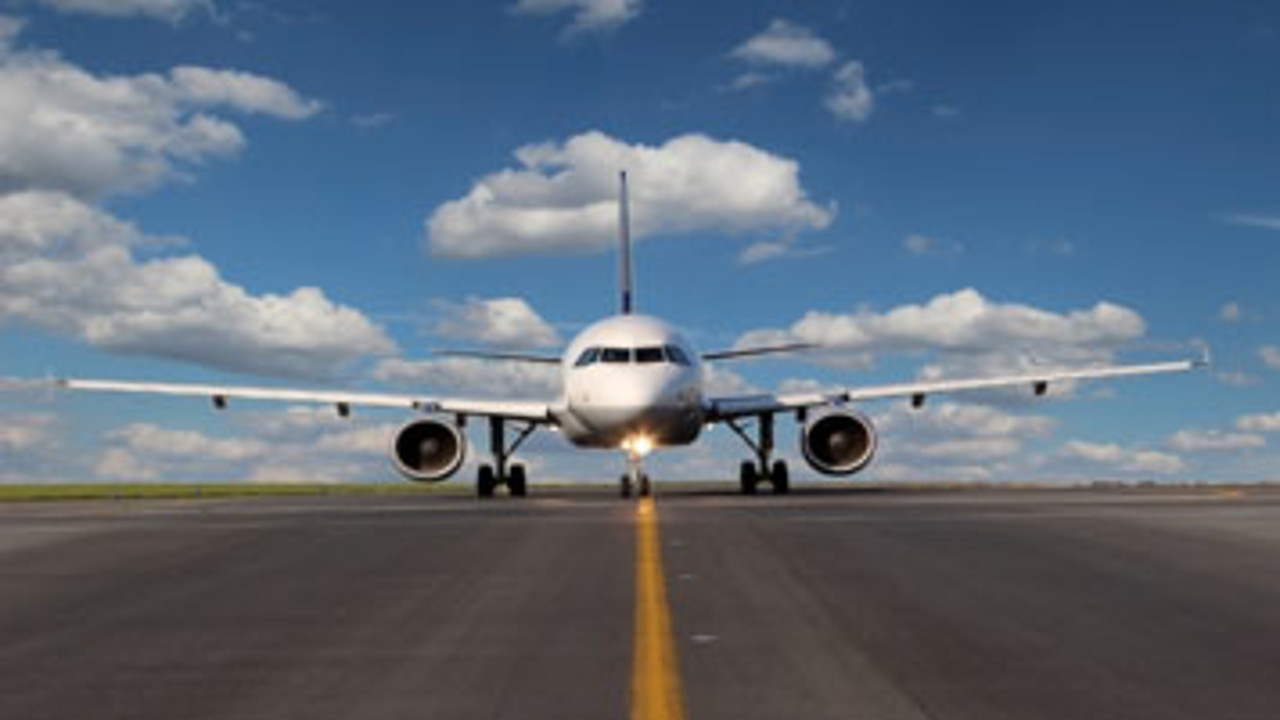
(927, 188)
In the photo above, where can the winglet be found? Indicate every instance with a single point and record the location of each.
(1206, 357)
(626, 286)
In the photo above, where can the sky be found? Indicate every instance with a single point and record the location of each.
(320, 194)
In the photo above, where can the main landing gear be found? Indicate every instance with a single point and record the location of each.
(514, 477)
(752, 473)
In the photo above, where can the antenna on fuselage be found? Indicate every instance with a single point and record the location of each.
(624, 246)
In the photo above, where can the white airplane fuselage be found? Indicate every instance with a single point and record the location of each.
(631, 380)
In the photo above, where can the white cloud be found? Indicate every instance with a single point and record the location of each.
(24, 432)
(72, 269)
(63, 128)
(766, 250)
(964, 324)
(168, 10)
(1214, 441)
(721, 382)
(1231, 312)
(1260, 422)
(955, 441)
(785, 44)
(924, 246)
(1270, 355)
(506, 322)
(850, 98)
(564, 196)
(588, 15)
(296, 445)
(1236, 378)
(242, 91)
(1265, 222)
(944, 111)
(1117, 457)
(470, 376)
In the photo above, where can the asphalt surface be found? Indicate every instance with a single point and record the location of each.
(865, 604)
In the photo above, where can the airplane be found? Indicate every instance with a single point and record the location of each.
(633, 383)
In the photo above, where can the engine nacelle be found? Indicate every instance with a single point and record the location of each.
(839, 442)
(428, 450)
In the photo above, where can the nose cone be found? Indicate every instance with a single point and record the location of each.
(632, 402)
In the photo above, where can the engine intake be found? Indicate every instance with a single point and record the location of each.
(839, 442)
(428, 450)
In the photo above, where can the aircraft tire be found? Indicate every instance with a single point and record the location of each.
(780, 477)
(747, 477)
(518, 482)
(624, 486)
(485, 481)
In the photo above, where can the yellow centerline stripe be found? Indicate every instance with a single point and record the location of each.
(655, 675)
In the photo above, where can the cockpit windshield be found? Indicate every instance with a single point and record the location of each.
(647, 355)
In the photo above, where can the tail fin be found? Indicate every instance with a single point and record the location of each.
(624, 247)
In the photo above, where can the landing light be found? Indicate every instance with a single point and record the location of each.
(639, 444)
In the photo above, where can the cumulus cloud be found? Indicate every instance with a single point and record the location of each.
(851, 98)
(1215, 441)
(168, 10)
(505, 322)
(73, 269)
(785, 44)
(959, 434)
(963, 324)
(1260, 422)
(24, 432)
(68, 138)
(470, 376)
(294, 445)
(1113, 456)
(564, 196)
(589, 16)
(63, 128)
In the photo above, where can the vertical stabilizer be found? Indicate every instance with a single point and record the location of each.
(625, 285)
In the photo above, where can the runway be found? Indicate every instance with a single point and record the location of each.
(879, 604)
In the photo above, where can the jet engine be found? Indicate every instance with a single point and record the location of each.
(838, 442)
(428, 450)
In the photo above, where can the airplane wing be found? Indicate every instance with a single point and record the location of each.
(755, 351)
(728, 408)
(535, 412)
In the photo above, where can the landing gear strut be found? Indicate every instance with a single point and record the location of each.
(514, 477)
(635, 479)
(751, 473)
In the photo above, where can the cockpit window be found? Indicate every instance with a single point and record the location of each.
(615, 355)
(649, 354)
(676, 355)
(588, 357)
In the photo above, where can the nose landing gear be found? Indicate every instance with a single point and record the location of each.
(635, 479)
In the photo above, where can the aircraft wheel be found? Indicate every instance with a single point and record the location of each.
(518, 483)
(485, 481)
(624, 486)
(780, 477)
(646, 488)
(747, 477)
